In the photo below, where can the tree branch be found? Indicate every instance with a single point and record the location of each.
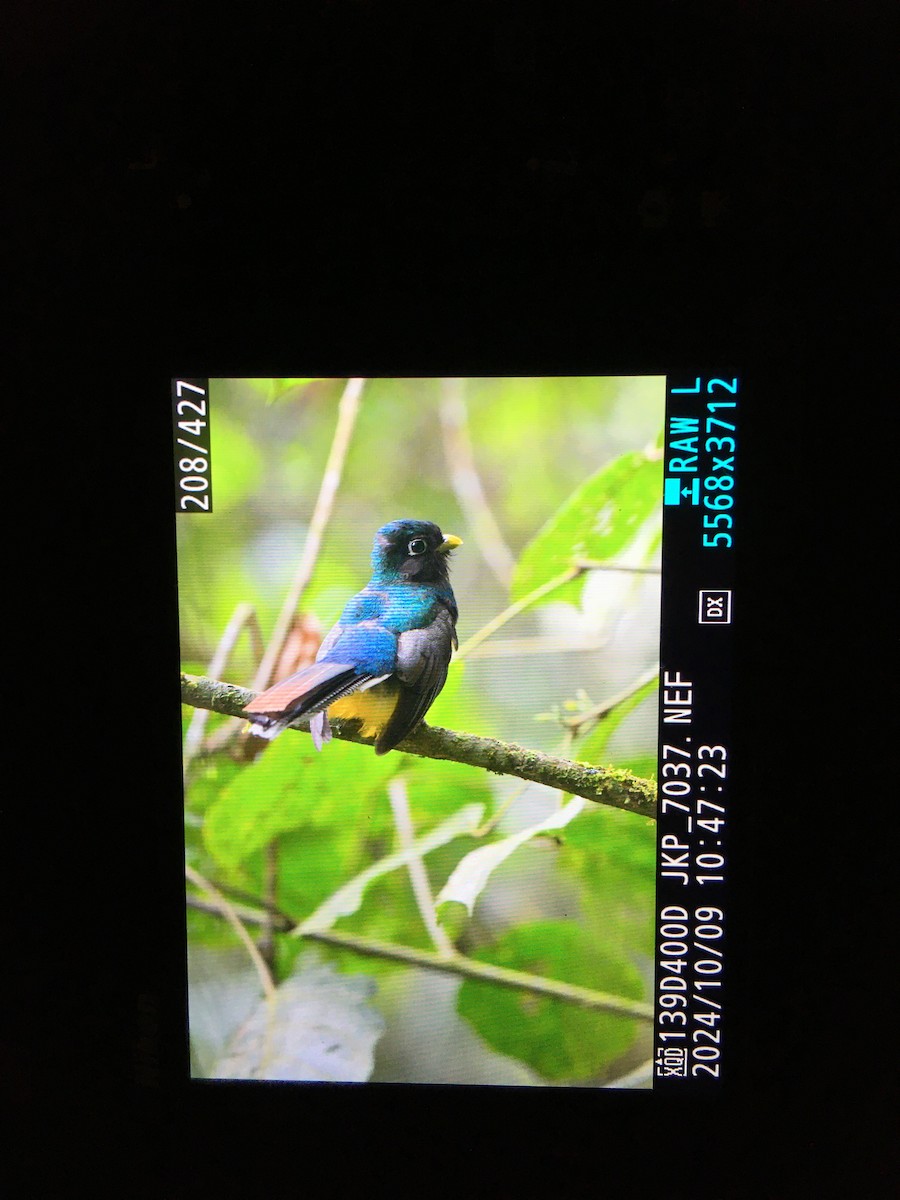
(470, 968)
(451, 963)
(227, 911)
(248, 916)
(602, 785)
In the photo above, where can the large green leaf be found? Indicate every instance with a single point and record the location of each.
(614, 840)
(558, 1039)
(438, 787)
(313, 863)
(597, 522)
(612, 855)
(290, 786)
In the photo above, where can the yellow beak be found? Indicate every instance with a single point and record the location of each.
(450, 542)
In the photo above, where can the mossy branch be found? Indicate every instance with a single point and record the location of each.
(602, 785)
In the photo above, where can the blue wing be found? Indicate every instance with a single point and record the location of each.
(405, 630)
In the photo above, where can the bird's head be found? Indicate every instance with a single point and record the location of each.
(413, 550)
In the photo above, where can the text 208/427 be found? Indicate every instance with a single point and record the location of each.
(192, 448)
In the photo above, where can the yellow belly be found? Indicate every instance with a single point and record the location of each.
(373, 708)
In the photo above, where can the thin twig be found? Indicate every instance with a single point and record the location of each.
(267, 659)
(503, 808)
(467, 483)
(538, 644)
(514, 609)
(578, 567)
(347, 411)
(605, 707)
(249, 916)
(455, 964)
(416, 867)
(590, 564)
(236, 893)
(234, 921)
(473, 969)
(270, 896)
(348, 407)
(244, 615)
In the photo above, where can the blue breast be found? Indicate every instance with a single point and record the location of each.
(397, 607)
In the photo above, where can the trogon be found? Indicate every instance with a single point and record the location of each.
(386, 660)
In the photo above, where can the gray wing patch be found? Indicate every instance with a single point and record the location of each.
(423, 656)
(423, 653)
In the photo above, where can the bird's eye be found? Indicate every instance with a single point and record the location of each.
(418, 546)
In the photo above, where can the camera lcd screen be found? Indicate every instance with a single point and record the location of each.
(456, 683)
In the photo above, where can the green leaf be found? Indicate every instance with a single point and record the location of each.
(612, 855)
(347, 899)
(211, 779)
(593, 748)
(559, 1040)
(614, 840)
(437, 787)
(597, 522)
(454, 918)
(272, 390)
(313, 863)
(288, 787)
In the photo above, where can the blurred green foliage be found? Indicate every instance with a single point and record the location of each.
(597, 522)
(559, 1040)
(567, 468)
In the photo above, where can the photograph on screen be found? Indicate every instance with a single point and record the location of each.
(455, 720)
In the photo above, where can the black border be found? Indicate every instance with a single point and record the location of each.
(345, 225)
